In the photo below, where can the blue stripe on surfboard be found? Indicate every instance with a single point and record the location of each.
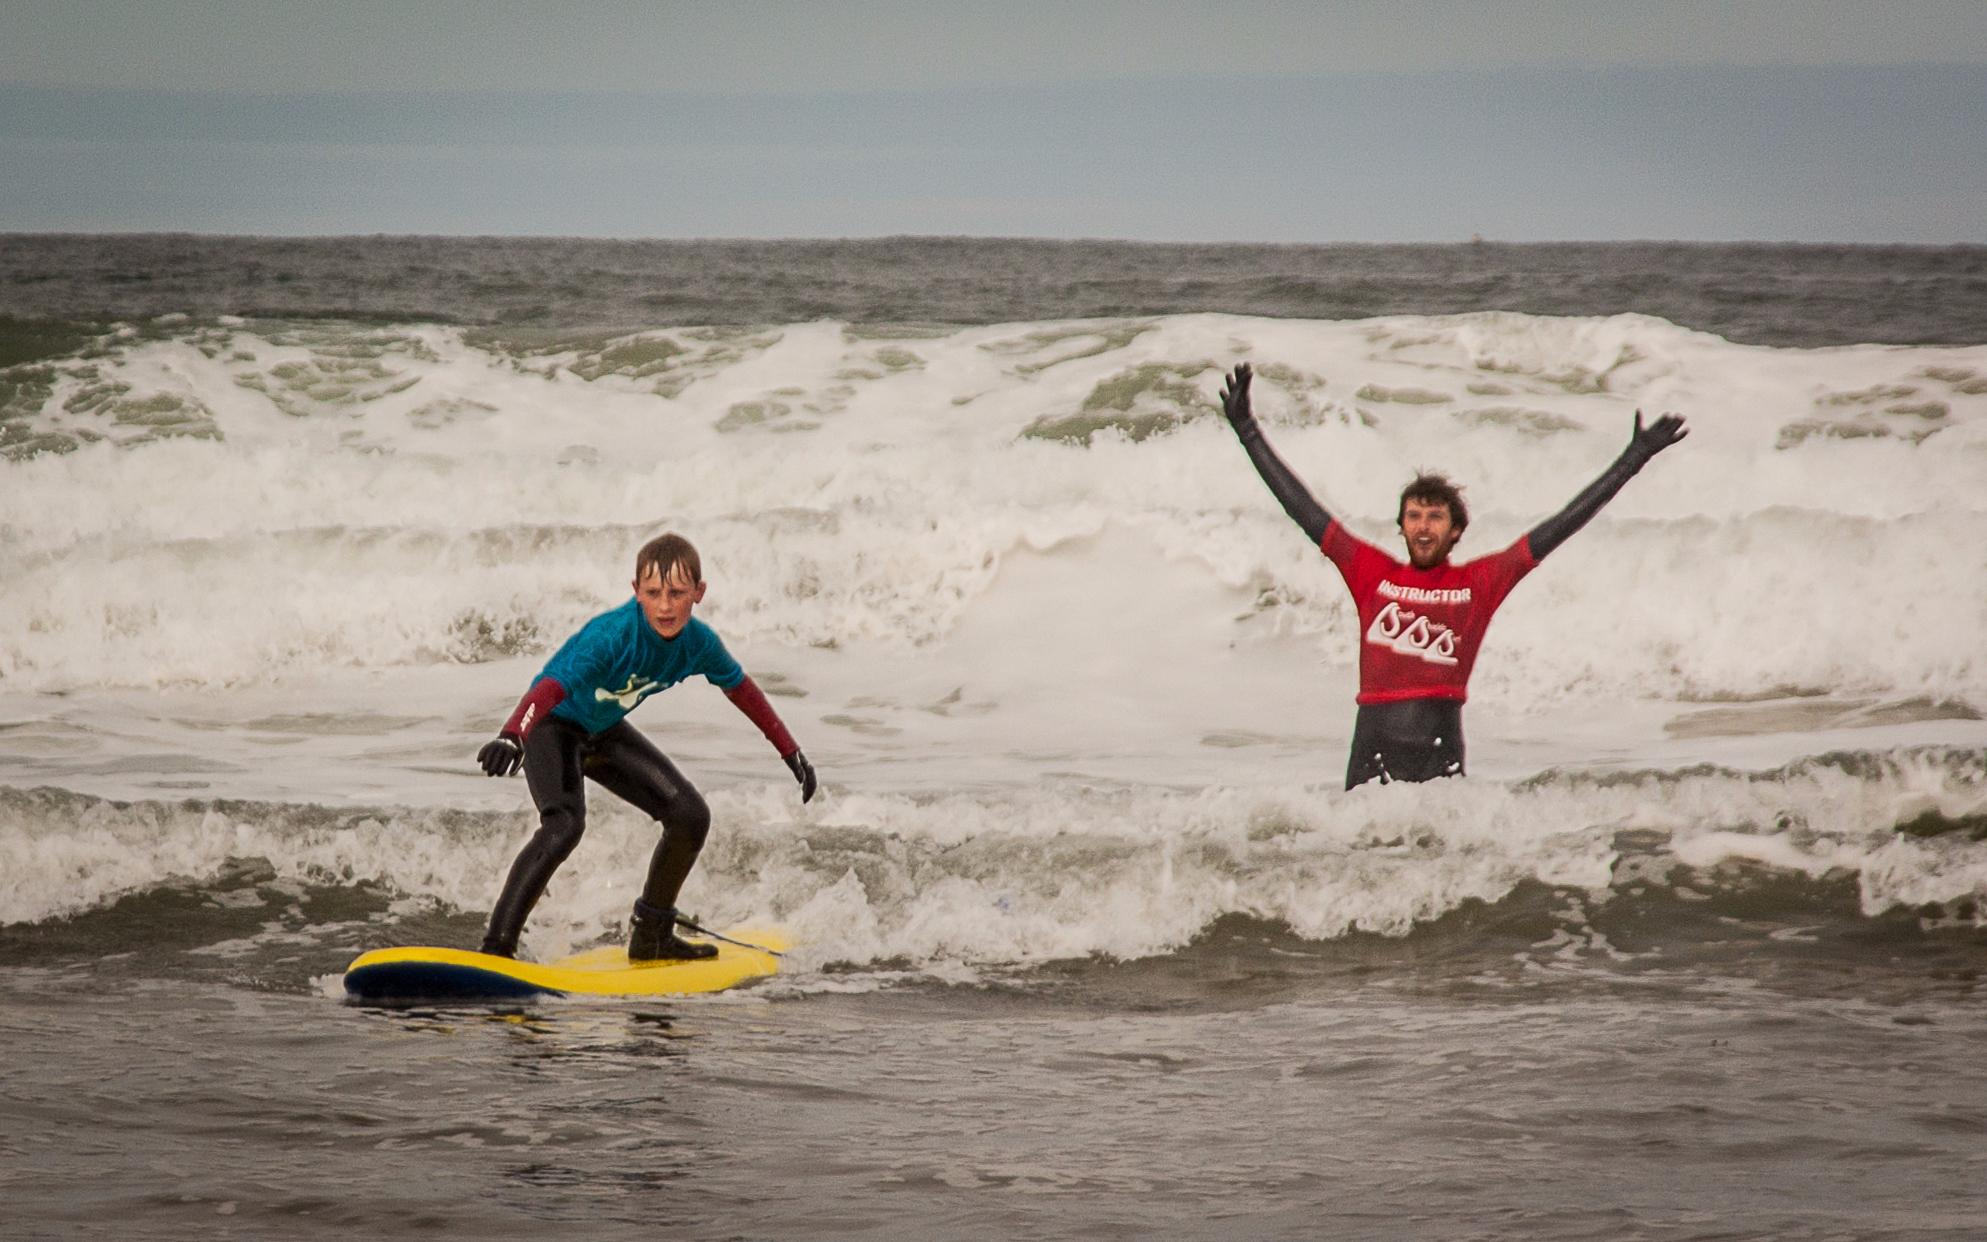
(437, 981)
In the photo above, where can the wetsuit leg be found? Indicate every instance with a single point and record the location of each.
(1412, 740)
(552, 768)
(629, 766)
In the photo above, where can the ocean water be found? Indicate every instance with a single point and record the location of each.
(1091, 943)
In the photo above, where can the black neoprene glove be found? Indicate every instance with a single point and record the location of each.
(501, 756)
(803, 771)
(1235, 396)
(1657, 436)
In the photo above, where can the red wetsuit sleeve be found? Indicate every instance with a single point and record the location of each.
(537, 703)
(748, 698)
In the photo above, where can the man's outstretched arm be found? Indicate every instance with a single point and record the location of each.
(1644, 444)
(1289, 491)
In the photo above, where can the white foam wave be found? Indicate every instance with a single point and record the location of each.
(1018, 876)
(334, 497)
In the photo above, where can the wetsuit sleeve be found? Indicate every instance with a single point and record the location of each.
(1645, 444)
(545, 694)
(748, 698)
(1288, 489)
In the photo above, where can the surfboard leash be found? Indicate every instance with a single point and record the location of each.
(701, 930)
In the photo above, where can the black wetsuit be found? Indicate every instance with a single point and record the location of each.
(558, 757)
(1408, 740)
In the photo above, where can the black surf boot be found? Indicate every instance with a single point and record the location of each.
(652, 937)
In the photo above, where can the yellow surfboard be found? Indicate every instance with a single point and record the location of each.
(428, 973)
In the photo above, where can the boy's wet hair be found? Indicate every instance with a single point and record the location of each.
(667, 554)
(1434, 489)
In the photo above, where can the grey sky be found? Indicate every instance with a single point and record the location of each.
(1777, 119)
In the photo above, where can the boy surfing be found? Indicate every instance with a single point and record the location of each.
(572, 725)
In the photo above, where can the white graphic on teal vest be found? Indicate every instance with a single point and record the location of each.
(637, 689)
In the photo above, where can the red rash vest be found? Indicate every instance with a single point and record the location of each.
(1420, 628)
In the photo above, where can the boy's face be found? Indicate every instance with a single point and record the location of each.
(667, 602)
(1429, 531)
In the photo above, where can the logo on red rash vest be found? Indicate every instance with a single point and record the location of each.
(1411, 634)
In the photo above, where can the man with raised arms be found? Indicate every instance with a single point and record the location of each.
(572, 724)
(1422, 622)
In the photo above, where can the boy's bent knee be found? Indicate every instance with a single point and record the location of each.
(688, 820)
(560, 826)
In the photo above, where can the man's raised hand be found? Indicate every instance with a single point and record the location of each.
(1235, 395)
(1657, 436)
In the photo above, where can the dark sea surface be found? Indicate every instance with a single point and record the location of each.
(1756, 1068)
(1696, 952)
(1786, 295)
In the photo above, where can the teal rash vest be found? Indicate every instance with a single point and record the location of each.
(617, 660)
